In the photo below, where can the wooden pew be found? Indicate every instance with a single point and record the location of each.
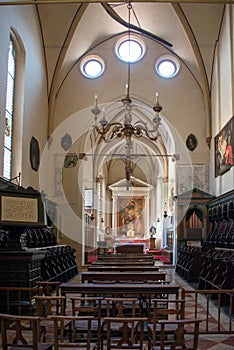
(113, 268)
(118, 289)
(118, 276)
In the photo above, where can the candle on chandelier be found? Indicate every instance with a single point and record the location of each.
(95, 101)
(126, 89)
(157, 100)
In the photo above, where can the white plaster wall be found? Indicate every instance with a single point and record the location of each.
(23, 19)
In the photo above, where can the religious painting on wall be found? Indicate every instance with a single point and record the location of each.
(224, 148)
(131, 217)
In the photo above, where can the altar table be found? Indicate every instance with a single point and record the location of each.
(124, 262)
(129, 248)
(128, 256)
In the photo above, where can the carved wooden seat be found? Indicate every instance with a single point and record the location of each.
(167, 309)
(46, 307)
(120, 308)
(130, 333)
(49, 287)
(64, 340)
(185, 335)
(21, 332)
(88, 306)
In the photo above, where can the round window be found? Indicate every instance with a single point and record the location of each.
(130, 49)
(92, 66)
(167, 66)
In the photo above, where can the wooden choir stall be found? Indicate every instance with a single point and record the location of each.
(28, 249)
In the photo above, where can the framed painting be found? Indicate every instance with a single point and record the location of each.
(223, 148)
(131, 216)
(34, 153)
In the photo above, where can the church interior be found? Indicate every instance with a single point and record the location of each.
(116, 148)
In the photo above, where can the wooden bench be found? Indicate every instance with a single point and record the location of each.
(139, 268)
(119, 276)
(148, 290)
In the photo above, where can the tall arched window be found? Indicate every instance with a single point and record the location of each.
(9, 113)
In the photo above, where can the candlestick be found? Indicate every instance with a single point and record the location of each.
(157, 99)
(95, 101)
(126, 89)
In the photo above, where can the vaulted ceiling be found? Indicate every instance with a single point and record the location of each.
(70, 29)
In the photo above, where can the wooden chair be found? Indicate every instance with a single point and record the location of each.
(126, 337)
(46, 307)
(169, 309)
(21, 332)
(89, 306)
(65, 340)
(49, 287)
(185, 333)
(123, 307)
(120, 308)
(19, 300)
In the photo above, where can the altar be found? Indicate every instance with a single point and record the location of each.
(131, 246)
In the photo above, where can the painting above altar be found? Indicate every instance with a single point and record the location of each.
(130, 217)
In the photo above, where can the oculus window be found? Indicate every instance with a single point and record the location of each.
(92, 66)
(130, 50)
(167, 66)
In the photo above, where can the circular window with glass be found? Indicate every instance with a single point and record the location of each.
(92, 66)
(130, 48)
(167, 66)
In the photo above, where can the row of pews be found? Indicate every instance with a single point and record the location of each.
(123, 274)
(157, 303)
(131, 288)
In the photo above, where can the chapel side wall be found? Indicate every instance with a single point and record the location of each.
(222, 100)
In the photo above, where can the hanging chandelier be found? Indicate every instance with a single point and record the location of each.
(127, 128)
(130, 126)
